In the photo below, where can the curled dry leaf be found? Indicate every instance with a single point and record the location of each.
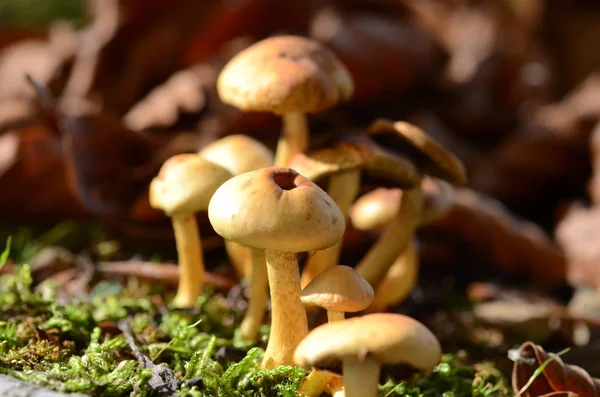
(557, 378)
(488, 232)
(108, 166)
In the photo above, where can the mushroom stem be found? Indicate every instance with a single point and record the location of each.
(361, 378)
(191, 263)
(398, 282)
(239, 257)
(258, 297)
(343, 189)
(335, 316)
(288, 317)
(293, 139)
(394, 240)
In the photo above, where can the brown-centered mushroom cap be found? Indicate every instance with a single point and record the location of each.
(338, 288)
(238, 153)
(285, 74)
(430, 155)
(390, 339)
(357, 153)
(276, 209)
(185, 184)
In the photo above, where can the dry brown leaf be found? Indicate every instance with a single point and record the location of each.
(557, 377)
(486, 231)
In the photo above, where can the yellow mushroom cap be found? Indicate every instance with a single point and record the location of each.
(429, 154)
(285, 74)
(339, 288)
(357, 153)
(276, 209)
(373, 211)
(185, 184)
(238, 153)
(390, 339)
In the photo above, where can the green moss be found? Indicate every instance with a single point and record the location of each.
(77, 347)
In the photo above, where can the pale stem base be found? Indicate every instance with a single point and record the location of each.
(335, 316)
(293, 139)
(191, 263)
(258, 297)
(343, 189)
(361, 379)
(394, 240)
(288, 317)
(315, 383)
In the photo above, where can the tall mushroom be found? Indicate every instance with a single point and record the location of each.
(240, 154)
(288, 76)
(184, 186)
(364, 344)
(338, 289)
(282, 212)
(343, 161)
(375, 210)
(431, 159)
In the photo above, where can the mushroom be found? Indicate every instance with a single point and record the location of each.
(364, 344)
(343, 162)
(338, 289)
(184, 186)
(288, 76)
(374, 211)
(240, 154)
(431, 159)
(280, 211)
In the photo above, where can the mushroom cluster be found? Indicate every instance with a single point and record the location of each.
(269, 209)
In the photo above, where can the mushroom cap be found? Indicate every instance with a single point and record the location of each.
(276, 209)
(339, 288)
(238, 153)
(373, 211)
(185, 184)
(390, 339)
(285, 74)
(430, 155)
(357, 153)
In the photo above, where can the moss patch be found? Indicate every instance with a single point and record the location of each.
(76, 346)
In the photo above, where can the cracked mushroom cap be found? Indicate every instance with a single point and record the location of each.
(276, 209)
(339, 288)
(413, 141)
(285, 74)
(374, 210)
(185, 184)
(238, 153)
(357, 153)
(390, 339)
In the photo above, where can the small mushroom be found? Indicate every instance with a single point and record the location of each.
(365, 344)
(374, 211)
(240, 154)
(431, 159)
(280, 211)
(338, 289)
(343, 161)
(288, 76)
(184, 186)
